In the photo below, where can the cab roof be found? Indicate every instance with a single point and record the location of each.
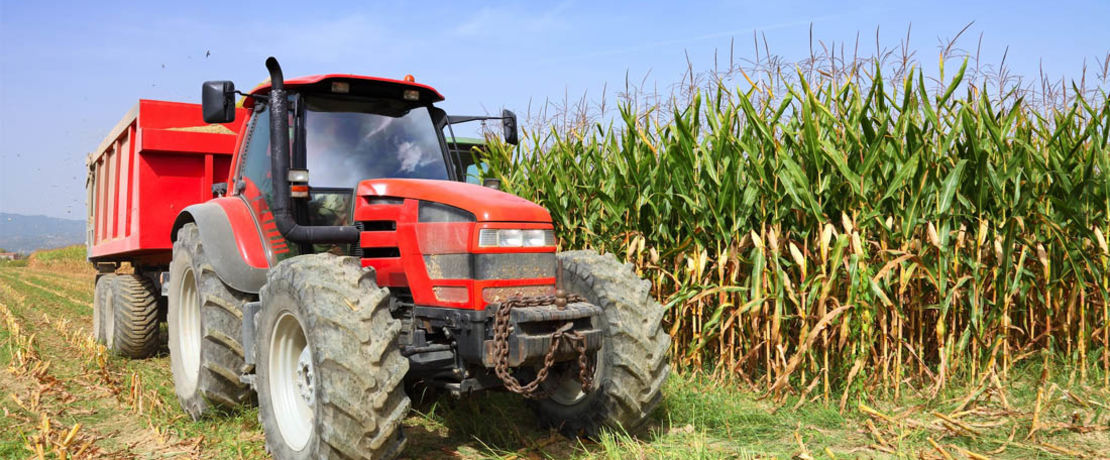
(358, 84)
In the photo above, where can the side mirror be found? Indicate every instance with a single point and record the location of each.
(218, 101)
(508, 124)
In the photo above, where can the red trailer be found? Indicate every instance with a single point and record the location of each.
(159, 159)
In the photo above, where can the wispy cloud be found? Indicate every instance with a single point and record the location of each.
(330, 40)
(686, 40)
(510, 21)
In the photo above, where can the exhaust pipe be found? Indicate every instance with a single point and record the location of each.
(281, 203)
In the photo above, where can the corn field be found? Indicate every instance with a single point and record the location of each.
(848, 233)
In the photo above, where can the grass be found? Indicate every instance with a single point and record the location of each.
(13, 263)
(69, 253)
(70, 259)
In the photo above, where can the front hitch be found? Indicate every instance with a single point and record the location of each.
(542, 331)
(532, 326)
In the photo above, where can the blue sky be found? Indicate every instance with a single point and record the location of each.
(68, 72)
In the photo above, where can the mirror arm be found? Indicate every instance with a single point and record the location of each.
(456, 119)
(253, 96)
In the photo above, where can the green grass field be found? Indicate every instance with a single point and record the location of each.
(63, 393)
(13, 263)
(68, 253)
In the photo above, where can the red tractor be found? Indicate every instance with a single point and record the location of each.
(345, 256)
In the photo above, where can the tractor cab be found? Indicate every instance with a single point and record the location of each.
(348, 128)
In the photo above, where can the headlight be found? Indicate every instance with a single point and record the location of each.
(510, 238)
(534, 238)
(515, 238)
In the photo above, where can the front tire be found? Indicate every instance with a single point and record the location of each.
(329, 373)
(632, 363)
(205, 320)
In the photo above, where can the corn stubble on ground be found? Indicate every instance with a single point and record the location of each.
(64, 397)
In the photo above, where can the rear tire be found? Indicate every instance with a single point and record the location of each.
(330, 372)
(102, 307)
(632, 363)
(133, 320)
(205, 319)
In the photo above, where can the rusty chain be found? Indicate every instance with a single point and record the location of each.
(502, 328)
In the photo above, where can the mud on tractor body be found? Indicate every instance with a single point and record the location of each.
(346, 258)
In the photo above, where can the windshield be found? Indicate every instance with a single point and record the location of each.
(347, 141)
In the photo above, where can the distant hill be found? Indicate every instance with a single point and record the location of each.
(20, 233)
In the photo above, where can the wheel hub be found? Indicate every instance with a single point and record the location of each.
(305, 378)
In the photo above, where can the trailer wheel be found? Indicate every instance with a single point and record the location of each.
(205, 322)
(131, 316)
(330, 371)
(632, 363)
(102, 307)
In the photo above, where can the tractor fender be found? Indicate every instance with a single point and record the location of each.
(231, 239)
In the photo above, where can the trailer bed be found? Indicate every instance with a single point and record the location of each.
(160, 158)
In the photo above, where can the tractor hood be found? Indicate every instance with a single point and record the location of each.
(487, 205)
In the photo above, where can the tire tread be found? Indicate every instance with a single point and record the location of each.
(221, 351)
(136, 316)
